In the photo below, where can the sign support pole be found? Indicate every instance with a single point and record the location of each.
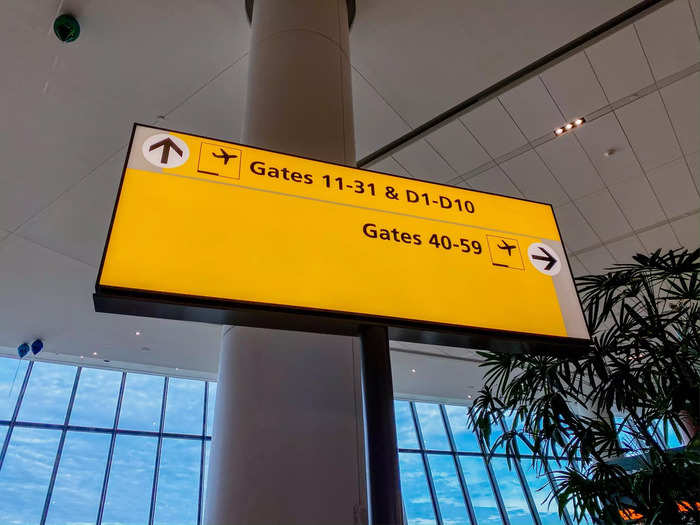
(383, 467)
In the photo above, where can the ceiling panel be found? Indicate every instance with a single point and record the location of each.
(532, 108)
(494, 128)
(597, 261)
(604, 215)
(646, 124)
(661, 237)
(23, 196)
(48, 295)
(575, 231)
(458, 147)
(494, 181)
(424, 58)
(389, 165)
(422, 162)
(638, 202)
(624, 249)
(604, 134)
(202, 113)
(63, 226)
(695, 6)
(675, 188)
(687, 230)
(574, 87)
(534, 179)
(571, 166)
(619, 63)
(694, 165)
(376, 123)
(577, 268)
(682, 100)
(669, 38)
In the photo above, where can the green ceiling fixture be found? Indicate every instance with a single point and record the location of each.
(66, 27)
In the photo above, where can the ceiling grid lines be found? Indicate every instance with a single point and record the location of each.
(607, 187)
(642, 208)
(495, 164)
(551, 171)
(665, 106)
(406, 123)
(632, 149)
(694, 17)
(590, 117)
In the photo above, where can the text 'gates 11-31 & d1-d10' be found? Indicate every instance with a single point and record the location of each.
(207, 230)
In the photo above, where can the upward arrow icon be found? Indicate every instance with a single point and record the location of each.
(167, 144)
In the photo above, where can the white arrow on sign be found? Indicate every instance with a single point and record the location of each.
(165, 151)
(544, 258)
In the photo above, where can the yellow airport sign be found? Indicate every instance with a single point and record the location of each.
(208, 230)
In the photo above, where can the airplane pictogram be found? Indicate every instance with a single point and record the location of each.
(506, 246)
(224, 155)
(211, 157)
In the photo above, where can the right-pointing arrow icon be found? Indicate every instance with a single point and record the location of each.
(544, 258)
(551, 261)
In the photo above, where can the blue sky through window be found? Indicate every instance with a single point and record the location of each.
(96, 398)
(25, 475)
(178, 482)
(11, 375)
(27, 468)
(414, 489)
(79, 479)
(183, 410)
(48, 391)
(143, 399)
(128, 498)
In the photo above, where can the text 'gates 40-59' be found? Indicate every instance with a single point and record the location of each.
(213, 231)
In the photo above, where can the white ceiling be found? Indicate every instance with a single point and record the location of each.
(639, 89)
(68, 109)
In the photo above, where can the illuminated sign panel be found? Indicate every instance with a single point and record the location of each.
(216, 226)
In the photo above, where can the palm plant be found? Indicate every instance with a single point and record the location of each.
(641, 374)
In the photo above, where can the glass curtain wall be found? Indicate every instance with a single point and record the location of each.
(84, 445)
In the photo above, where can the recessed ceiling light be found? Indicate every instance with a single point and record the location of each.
(469, 397)
(82, 357)
(94, 353)
(413, 370)
(569, 126)
(137, 332)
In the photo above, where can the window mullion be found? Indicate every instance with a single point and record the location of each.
(20, 396)
(550, 477)
(523, 481)
(201, 463)
(426, 466)
(156, 470)
(492, 480)
(110, 454)
(59, 451)
(458, 468)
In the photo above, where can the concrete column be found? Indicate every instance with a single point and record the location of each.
(288, 440)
